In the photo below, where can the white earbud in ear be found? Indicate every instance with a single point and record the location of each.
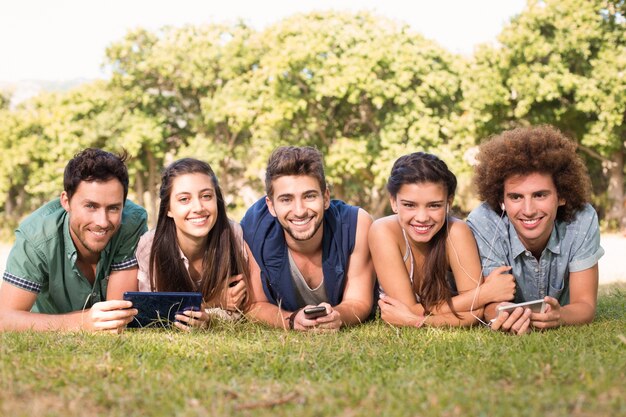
(447, 208)
(502, 206)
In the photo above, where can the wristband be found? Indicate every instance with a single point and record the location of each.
(292, 318)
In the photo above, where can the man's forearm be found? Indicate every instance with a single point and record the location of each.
(12, 320)
(577, 313)
(353, 312)
(269, 314)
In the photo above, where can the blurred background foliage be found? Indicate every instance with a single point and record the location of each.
(361, 88)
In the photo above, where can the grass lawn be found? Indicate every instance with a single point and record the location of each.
(370, 370)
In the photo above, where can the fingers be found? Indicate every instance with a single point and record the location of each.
(235, 294)
(552, 303)
(522, 326)
(235, 278)
(112, 305)
(516, 322)
(112, 322)
(331, 321)
(501, 269)
(191, 318)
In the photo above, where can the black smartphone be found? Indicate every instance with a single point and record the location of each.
(315, 312)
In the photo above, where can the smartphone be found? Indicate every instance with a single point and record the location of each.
(536, 306)
(315, 312)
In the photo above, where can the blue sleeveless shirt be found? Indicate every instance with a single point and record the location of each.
(266, 239)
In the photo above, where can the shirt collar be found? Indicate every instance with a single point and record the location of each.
(553, 245)
(70, 247)
(183, 257)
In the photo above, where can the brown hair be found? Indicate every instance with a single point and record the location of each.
(223, 256)
(94, 164)
(527, 150)
(294, 160)
(416, 168)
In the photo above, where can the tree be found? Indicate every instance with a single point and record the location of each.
(562, 63)
(362, 89)
(164, 82)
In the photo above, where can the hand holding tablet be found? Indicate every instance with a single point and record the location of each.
(158, 309)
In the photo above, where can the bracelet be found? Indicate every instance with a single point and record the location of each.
(292, 318)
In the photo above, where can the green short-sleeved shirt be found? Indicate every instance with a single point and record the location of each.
(43, 259)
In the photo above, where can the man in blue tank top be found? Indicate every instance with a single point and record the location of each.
(307, 250)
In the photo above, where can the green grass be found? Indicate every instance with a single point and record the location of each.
(370, 370)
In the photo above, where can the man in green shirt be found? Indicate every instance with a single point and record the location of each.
(74, 257)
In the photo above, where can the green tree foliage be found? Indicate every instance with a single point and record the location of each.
(563, 63)
(362, 89)
(166, 82)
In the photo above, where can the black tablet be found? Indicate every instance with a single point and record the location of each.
(157, 309)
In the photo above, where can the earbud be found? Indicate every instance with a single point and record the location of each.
(447, 208)
(502, 206)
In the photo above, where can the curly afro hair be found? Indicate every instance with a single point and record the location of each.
(527, 150)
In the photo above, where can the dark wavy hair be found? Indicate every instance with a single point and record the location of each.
(223, 256)
(526, 150)
(94, 164)
(416, 168)
(294, 160)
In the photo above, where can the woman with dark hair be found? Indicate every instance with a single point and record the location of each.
(195, 247)
(426, 260)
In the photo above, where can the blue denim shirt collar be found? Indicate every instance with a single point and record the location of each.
(553, 245)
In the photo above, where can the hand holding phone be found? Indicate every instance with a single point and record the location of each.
(315, 312)
(536, 306)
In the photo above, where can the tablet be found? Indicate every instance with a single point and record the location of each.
(157, 309)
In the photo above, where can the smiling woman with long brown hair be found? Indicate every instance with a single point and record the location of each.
(195, 247)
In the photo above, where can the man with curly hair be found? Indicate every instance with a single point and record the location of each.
(536, 218)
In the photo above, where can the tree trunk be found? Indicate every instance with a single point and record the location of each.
(379, 204)
(616, 189)
(153, 189)
(140, 189)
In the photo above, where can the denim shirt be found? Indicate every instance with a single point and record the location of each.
(572, 247)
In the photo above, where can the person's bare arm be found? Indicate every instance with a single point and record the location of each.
(261, 309)
(358, 294)
(583, 287)
(15, 315)
(122, 281)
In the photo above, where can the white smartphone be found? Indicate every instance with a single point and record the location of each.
(536, 306)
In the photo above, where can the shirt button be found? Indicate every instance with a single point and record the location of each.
(527, 253)
(536, 269)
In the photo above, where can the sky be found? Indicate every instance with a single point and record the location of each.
(61, 40)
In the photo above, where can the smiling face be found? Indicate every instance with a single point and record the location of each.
(95, 215)
(421, 209)
(193, 206)
(298, 204)
(531, 203)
